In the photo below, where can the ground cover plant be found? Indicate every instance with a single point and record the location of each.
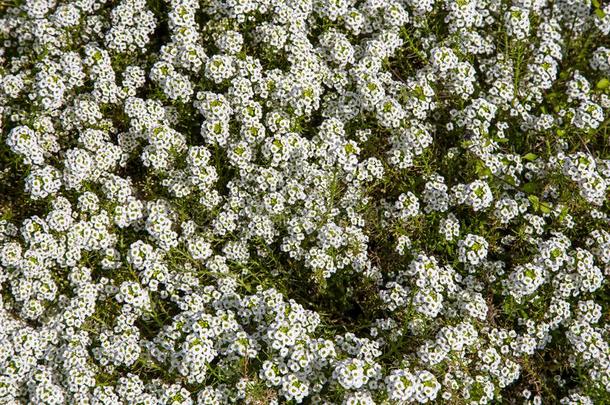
(304, 201)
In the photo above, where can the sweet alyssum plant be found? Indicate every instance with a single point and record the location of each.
(304, 201)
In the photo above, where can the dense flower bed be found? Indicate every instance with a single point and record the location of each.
(319, 201)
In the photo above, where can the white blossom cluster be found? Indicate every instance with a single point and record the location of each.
(304, 201)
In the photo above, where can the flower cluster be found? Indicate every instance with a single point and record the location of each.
(304, 201)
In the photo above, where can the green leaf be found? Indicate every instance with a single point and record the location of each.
(530, 156)
(530, 187)
(603, 84)
(596, 3)
(545, 208)
(538, 205)
(482, 170)
(563, 214)
(600, 13)
(535, 201)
